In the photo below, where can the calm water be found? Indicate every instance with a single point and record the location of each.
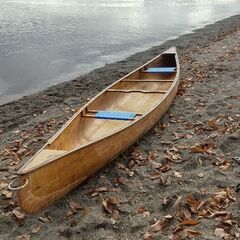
(44, 42)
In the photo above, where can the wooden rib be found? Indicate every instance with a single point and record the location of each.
(134, 90)
(146, 80)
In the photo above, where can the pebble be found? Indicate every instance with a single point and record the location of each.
(201, 175)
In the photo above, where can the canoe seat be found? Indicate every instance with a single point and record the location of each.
(161, 70)
(115, 115)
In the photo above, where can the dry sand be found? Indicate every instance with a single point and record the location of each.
(180, 180)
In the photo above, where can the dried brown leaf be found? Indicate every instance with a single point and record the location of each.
(110, 204)
(7, 194)
(184, 215)
(115, 214)
(74, 206)
(193, 233)
(121, 180)
(165, 200)
(147, 236)
(177, 202)
(18, 215)
(44, 220)
(98, 190)
(162, 224)
(202, 148)
(177, 174)
(152, 155)
(24, 237)
(213, 124)
(36, 229)
(189, 222)
(155, 175)
(220, 232)
(193, 203)
(3, 185)
(164, 168)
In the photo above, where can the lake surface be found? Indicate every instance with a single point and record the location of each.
(44, 42)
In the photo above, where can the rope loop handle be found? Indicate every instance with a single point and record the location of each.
(17, 188)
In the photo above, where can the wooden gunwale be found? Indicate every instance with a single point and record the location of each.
(174, 82)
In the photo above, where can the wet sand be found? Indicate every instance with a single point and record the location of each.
(180, 180)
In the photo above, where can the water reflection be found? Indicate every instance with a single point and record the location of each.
(50, 41)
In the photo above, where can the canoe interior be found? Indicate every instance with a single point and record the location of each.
(138, 92)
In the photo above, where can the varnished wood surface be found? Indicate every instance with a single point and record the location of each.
(86, 144)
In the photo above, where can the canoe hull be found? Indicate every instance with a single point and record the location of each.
(45, 187)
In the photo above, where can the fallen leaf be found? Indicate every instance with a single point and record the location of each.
(147, 236)
(177, 174)
(115, 214)
(165, 181)
(36, 229)
(189, 222)
(177, 202)
(220, 232)
(156, 164)
(152, 155)
(193, 203)
(155, 175)
(18, 215)
(213, 124)
(7, 194)
(110, 205)
(24, 237)
(98, 190)
(184, 215)
(3, 185)
(231, 193)
(193, 233)
(165, 200)
(74, 206)
(44, 220)
(164, 168)
(141, 210)
(219, 213)
(223, 164)
(202, 148)
(162, 224)
(121, 180)
(146, 214)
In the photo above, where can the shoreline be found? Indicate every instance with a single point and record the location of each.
(30, 104)
(195, 143)
(13, 96)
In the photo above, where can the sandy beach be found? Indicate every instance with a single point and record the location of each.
(179, 181)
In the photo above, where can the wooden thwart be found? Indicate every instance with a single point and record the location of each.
(146, 80)
(135, 90)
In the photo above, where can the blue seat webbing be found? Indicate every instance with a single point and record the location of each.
(161, 70)
(115, 115)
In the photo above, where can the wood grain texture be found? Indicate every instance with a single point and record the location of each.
(86, 144)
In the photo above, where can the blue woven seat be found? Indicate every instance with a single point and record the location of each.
(161, 70)
(115, 115)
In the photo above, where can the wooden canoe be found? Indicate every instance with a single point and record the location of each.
(87, 142)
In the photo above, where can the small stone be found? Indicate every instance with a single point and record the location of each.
(201, 175)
